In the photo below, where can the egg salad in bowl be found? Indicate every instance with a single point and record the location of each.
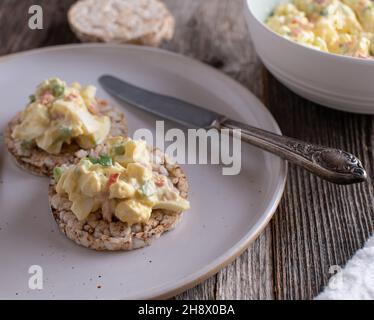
(58, 121)
(344, 27)
(119, 196)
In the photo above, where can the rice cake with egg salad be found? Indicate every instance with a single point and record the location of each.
(120, 197)
(58, 121)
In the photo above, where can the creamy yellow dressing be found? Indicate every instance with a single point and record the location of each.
(343, 27)
(59, 114)
(120, 183)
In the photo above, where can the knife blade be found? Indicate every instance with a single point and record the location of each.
(331, 164)
(170, 108)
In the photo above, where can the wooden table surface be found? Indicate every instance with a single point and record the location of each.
(317, 224)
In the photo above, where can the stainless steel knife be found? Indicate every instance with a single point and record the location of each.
(331, 164)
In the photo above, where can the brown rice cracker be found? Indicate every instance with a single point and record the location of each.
(98, 234)
(41, 163)
(145, 22)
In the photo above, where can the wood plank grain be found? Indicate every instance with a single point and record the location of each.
(16, 35)
(318, 224)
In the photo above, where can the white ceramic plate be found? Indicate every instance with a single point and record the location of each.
(228, 212)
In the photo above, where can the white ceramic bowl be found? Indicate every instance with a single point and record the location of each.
(335, 81)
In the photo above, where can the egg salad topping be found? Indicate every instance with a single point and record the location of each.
(121, 183)
(59, 114)
(343, 27)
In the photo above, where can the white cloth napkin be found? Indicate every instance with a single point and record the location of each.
(356, 280)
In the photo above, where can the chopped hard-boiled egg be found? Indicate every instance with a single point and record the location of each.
(121, 190)
(172, 205)
(132, 211)
(129, 184)
(59, 114)
(35, 121)
(126, 151)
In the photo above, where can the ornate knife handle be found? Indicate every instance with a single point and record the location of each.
(333, 165)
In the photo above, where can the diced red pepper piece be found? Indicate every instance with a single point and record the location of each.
(112, 179)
